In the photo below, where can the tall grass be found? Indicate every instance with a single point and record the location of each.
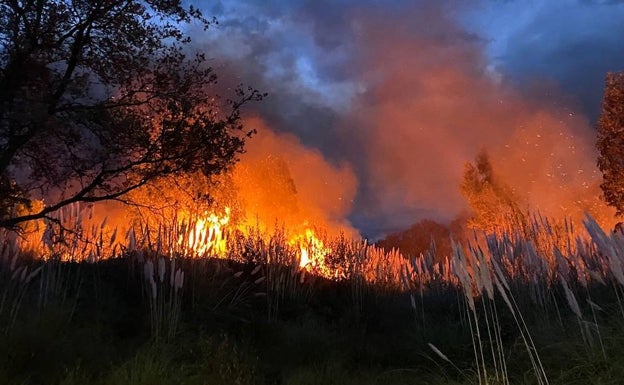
(544, 271)
(164, 283)
(16, 274)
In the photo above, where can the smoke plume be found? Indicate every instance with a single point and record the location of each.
(432, 103)
(279, 181)
(402, 97)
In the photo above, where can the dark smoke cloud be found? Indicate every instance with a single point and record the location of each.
(406, 92)
(573, 43)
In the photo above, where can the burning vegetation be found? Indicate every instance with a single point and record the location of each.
(120, 155)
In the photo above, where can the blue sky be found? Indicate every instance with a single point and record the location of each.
(328, 68)
(573, 43)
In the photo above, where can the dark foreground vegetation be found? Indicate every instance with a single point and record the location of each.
(129, 320)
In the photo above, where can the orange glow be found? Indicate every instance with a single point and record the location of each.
(312, 253)
(206, 235)
(279, 182)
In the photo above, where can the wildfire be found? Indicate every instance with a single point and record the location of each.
(312, 252)
(206, 235)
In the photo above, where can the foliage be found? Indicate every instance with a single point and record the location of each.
(611, 142)
(164, 290)
(492, 201)
(150, 366)
(98, 98)
(499, 312)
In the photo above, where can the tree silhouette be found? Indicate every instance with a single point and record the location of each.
(100, 97)
(611, 142)
(492, 201)
(419, 238)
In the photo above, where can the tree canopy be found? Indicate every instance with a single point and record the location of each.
(610, 142)
(100, 97)
(492, 201)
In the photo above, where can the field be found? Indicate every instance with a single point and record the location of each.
(541, 305)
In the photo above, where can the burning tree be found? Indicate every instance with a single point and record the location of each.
(493, 202)
(99, 98)
(611, 142)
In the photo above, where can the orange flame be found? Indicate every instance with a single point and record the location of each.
(205, 235)
(312, 252)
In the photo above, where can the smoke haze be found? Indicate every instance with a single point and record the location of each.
(281, 182)
(389, 101)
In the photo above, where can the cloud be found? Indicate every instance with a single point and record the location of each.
(573, 43)
(406, 92)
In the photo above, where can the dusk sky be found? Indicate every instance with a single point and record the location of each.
(403, 93)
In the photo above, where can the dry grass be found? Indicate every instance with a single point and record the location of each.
(554, 269)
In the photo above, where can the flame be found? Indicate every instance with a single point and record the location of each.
(206, 235)
(312, 253)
